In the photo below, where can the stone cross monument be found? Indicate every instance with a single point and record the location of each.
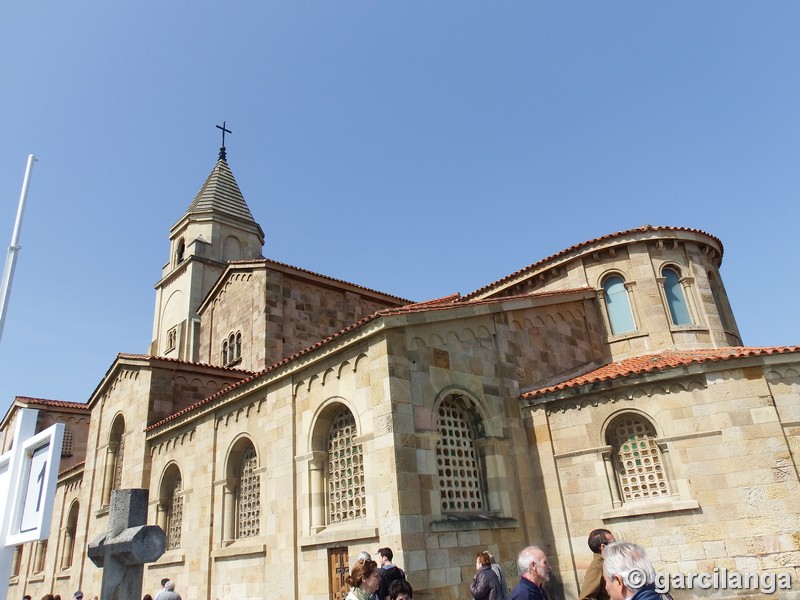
(128, 544)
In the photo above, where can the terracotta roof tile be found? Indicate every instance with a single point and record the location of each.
(576, 247)
(434, 305)
(53, 403)
(662, 361)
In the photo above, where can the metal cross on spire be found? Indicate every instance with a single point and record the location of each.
(222, 154)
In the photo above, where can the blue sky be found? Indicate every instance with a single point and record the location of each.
(417, 148)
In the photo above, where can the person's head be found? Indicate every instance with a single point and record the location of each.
(366, 575)
(400, 589)
(491, 556)
(482, 559)
(533, 565)
(386, 555)
(164, 582)
(77, 595)
(599, 539)
(626, 569)
(169, 586)
(363, 555)
(147, 597)
(26, 597)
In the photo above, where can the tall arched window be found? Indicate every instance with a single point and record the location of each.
(115, 454)
(170, 506)
(70, 530)
(636, 458)
(461, 479)
(345, 470)
(676, 301)
(179, 251)
(618, 305)
(248, 498)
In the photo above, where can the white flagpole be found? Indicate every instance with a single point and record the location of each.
(11, 259)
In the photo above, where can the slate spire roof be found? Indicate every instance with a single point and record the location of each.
(220, 194)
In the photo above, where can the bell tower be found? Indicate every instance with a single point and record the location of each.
(217, 228)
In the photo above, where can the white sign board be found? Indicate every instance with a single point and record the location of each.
(32, 500)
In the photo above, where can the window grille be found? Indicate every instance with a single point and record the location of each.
(638, 460)
(175, 515)
(249, 500)
(118, 464)
(66, 444)
(346, 491)
(459, 470)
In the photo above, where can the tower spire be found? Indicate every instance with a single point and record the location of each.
(222, 153)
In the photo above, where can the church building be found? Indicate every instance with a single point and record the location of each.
(283, 421)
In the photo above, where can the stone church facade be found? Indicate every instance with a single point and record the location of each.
(284, 421)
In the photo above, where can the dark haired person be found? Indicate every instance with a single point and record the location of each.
(401, 590)
(594, 584)
(389, 572)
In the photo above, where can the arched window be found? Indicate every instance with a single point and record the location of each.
(70, 529)
(461, 479)
(180, 251)
(248, 498)
(232, 348)
(170, 506)
(345, 470)
(636, 459)
(175, 515)
(618, 305)
(115, 454)
(676, 301)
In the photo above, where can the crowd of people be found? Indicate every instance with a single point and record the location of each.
(610, 575)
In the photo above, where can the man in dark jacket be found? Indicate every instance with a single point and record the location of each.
(534, 569)
(389, 572)
(629, 573)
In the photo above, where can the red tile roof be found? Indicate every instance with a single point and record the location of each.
(446, 303)
(53, 403)
(661, 361)
(576, 247)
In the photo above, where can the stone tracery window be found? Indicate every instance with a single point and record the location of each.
(345, 471)
(118, 464)
(175, 514)
(461, 481)
(232, 348)
(248, 500)
(637, 459)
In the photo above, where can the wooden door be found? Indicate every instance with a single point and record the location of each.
(338, 569)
